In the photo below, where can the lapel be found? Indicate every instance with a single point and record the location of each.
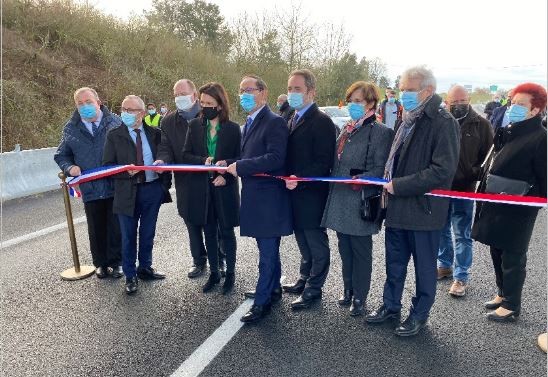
(151, 137)
(84, 130)
(308, 114)
(124, 133)
(220, 139)
(255, 124)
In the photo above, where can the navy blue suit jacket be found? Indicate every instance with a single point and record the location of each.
(265, 203)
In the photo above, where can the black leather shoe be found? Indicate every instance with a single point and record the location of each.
(117, 272)
(149, 274)
(229, 282)
(256, 313)
(274, 297)
(305, 301)
(510, 317)
(357, 308)
(131, 285)
(382, 315)
(101, 272)
(196, 271)
(213, 280)
(346, 298)
(410, 327)
(222, 267)
(296, 288)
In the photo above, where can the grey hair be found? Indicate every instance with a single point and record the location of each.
(422, 73)
(186, 81)
(138, 99)
(308, 76)
(283, 96)
(85, 89)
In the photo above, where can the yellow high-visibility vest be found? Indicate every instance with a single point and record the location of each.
(154, 122)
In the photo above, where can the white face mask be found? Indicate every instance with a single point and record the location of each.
(184, 103)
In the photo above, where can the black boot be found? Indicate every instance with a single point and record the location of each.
(357, 308)
(213, 280)
(229, 282)
(346, 298)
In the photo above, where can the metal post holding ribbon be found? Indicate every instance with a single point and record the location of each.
(77, 272)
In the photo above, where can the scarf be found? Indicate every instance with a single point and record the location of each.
(190, 113)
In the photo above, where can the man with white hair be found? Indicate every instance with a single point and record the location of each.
(284, 110)
(423, 157)
(81, 149)
(138, 195)
(476, 140)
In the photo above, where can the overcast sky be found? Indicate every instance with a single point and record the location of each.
(474, 42)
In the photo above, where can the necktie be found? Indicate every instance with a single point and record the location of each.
(295, 120)
(94, 128)
(247, 125)
(140, 177)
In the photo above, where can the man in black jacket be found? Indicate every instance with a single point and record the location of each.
(174, 129)
(284, 110)
(138, 195)
(423, 157)
(310, 151)
(476, 141)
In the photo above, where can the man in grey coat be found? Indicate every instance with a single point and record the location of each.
(423, 157)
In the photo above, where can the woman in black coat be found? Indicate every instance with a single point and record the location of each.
(519, 155)
(211, 201)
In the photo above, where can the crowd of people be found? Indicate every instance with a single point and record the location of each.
(417, 143)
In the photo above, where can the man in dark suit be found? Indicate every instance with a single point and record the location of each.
(137, 194)
(265, 211)
(174, 129)
(310, 152)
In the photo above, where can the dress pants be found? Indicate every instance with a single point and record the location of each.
(510, 275)
(315, 257)
(147, 205)
(357, 263)
(104, 233)
(270, 269)
(197, 247)
(400, 245)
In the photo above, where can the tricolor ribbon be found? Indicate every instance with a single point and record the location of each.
(107, 171)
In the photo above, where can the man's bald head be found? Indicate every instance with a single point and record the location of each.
(458, 95)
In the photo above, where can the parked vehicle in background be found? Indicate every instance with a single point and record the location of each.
(339, 115)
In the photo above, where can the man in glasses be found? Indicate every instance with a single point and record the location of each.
(265, 212)
(137, 194)
(81, 149)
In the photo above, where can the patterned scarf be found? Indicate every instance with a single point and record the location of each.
(349, 128)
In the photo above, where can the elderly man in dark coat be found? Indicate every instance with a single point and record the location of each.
(423, 157)
(265, 211)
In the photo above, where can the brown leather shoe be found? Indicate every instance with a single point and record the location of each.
(444, 273)
(458, 289)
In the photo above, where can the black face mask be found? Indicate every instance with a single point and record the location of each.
(459, 111)
(210, 112)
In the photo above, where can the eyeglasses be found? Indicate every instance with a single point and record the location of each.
(131, 111)
(459, 102)
(249, 90)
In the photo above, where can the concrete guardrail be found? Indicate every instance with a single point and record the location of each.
(28, 172)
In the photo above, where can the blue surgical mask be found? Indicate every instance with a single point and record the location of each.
(356, 110)
(87, 111)
(296, 100)
(128, 119)
(392, 99)
(517, 113)
(152, 112)
(410, 100)
(184, 103)
(247, 101)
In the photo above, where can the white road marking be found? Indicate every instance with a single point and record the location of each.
(39, 233)
(213, 345)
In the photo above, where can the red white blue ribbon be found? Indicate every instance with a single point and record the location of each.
(107, 171)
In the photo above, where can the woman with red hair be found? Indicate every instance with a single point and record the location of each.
(517, 166)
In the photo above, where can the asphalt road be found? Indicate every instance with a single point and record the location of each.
(52, 327)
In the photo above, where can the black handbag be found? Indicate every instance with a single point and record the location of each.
(501, 185)
(370, 206)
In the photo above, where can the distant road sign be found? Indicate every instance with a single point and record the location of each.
(493, 88)
(468, 87)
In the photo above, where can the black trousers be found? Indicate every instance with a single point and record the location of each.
(105, 241)
(510, 275)
(315, 257)
(357, 263)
